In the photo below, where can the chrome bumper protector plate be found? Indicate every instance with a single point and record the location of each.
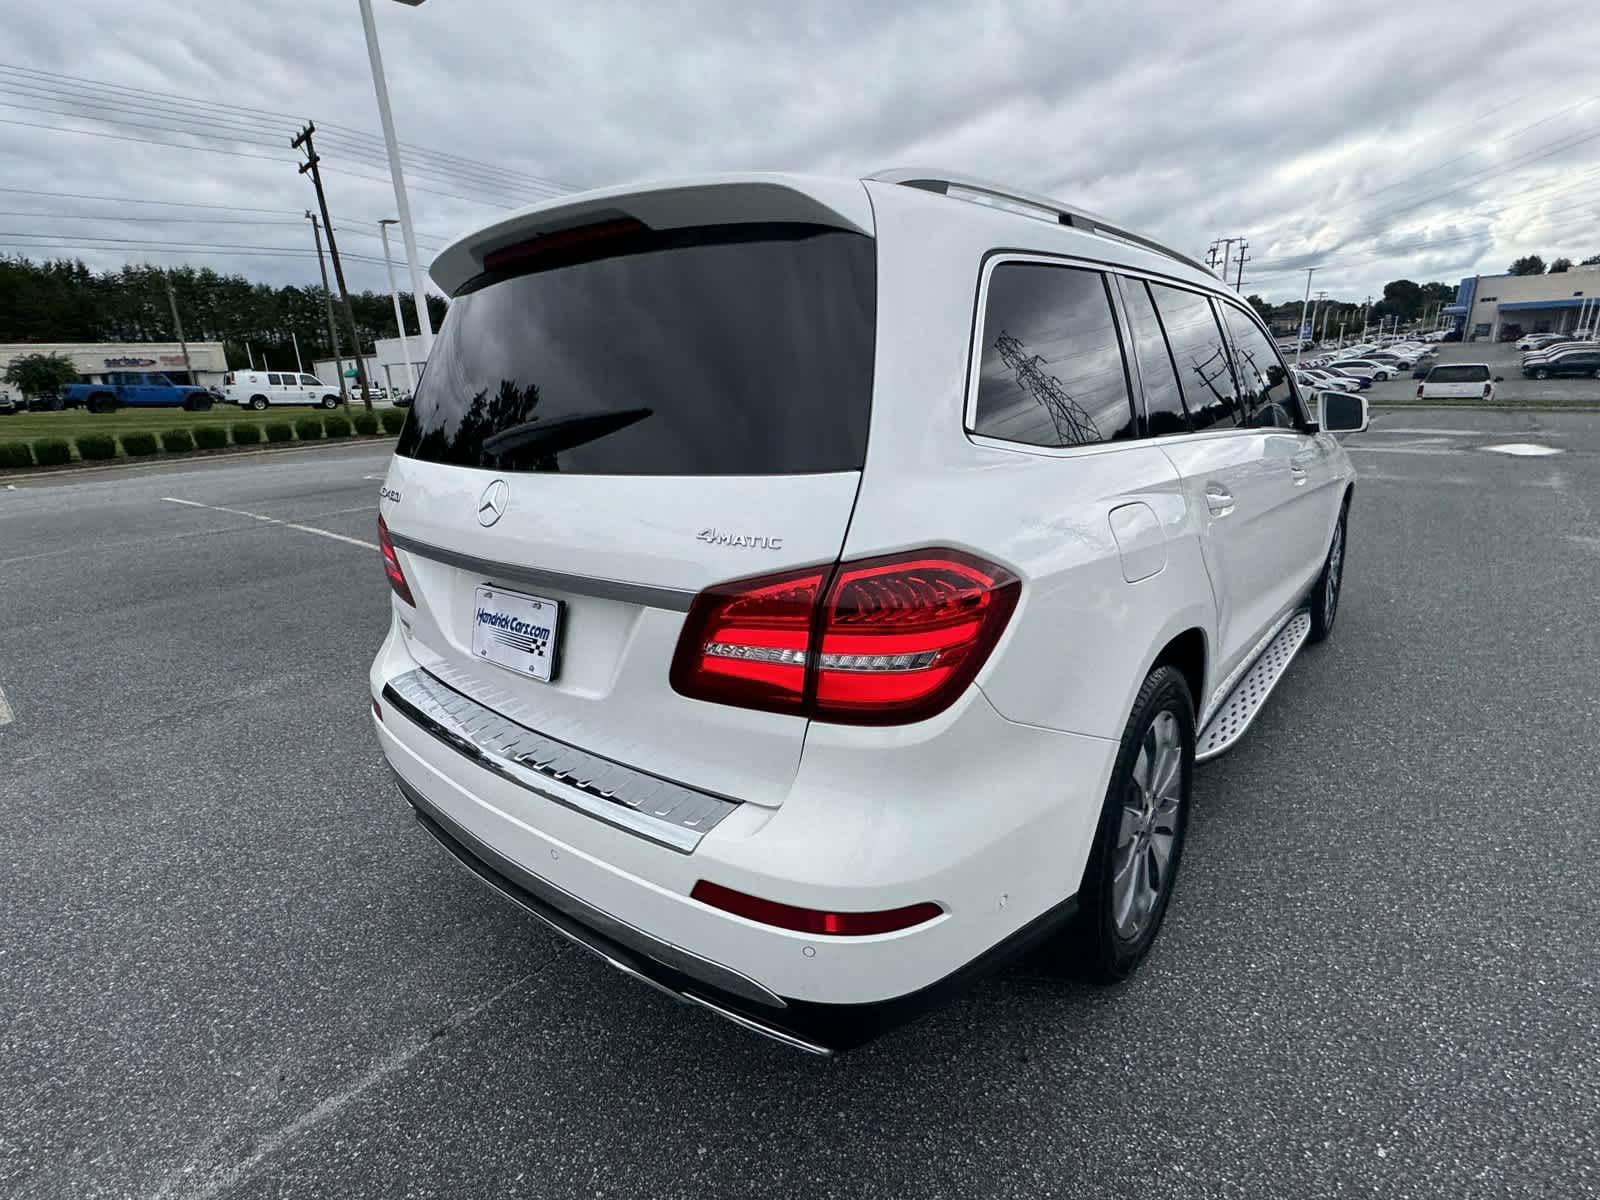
(1249, 695)
(660, 810)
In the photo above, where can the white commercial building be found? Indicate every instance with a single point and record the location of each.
(95, 360)
(386, 366)
(1489, 306)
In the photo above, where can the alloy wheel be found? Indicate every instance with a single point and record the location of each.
(1148, 832)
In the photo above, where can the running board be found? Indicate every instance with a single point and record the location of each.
(1250, 694)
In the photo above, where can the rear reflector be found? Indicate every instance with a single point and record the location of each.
(377, 710)
(810, 920)
(878, 641)
(391, 564)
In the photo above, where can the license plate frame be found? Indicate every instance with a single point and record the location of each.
(517, 631)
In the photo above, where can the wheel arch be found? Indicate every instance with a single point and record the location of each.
(1189, 654)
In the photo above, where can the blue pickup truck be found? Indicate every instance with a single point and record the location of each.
(136, 389)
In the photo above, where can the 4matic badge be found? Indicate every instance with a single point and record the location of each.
(756, 541)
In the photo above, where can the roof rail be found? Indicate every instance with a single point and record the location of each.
(932, 179)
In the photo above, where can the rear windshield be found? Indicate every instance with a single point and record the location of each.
(733, 350)
(1464, 373)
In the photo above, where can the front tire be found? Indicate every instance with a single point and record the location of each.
(1541, 374)
(1138, 843)
(330, 402)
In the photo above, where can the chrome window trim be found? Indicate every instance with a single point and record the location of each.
(538, 577)
(659, 810)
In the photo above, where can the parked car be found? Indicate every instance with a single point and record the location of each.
(1538, 341)
(1378, 370)
(1420, 371)
(1455, 381)
(267, 389)
(1553, 352)
(1365, 376)
(1579, 362)
(8, 406)
(712, 677)
(136, 389)
(1324, 380)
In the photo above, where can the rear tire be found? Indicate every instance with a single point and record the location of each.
(258, 402)
(1541, 374)
(1325, 594)
(1138, 842)
(100, 402)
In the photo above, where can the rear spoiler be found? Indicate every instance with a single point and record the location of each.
(713, 200)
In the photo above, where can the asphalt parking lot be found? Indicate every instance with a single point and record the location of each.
(232, 965)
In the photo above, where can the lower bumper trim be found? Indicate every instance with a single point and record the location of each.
(817, 1028)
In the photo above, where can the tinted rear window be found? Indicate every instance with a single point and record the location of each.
(1465, 373)
(734, 350)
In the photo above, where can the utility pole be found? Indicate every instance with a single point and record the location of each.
(1322, 306)
(299, 366)
(1300, 339)
(303, 139)
(177, 323)
(1238, 282)
(327, 296)
(1211, 255)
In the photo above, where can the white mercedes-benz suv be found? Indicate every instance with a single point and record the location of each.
(810, 592)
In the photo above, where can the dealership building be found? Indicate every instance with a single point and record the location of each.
(95, 360)
(1488, 304)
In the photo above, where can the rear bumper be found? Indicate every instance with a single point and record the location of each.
(989, 819)
(806, 1025)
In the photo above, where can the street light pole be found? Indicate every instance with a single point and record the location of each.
(1300, 342)
(407, 232)
(399, 317)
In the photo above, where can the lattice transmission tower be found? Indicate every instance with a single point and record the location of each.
(1074, 426)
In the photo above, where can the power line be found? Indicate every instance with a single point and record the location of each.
(136, 200)
(50, 81)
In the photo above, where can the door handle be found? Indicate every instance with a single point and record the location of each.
(1219, 500)
(1297, 473)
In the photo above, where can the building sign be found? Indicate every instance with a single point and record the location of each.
(172, 360)
(132, 362)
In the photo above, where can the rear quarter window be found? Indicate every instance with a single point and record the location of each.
(1051, 372)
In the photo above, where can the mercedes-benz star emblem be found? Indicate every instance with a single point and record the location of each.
(492, 504)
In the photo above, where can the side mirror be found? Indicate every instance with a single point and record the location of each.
(1499, 378)
(1341, 412)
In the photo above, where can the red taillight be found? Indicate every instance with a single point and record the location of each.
(1487, 388)
(391, 564)
(564, 245)
(811, 920)
(1419, 391)
(877, 642)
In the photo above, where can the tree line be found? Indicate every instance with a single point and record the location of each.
(1403, 298)
(64, 301)
(1533, 264)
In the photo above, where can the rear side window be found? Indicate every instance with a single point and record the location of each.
(730, 350)
(1163, 398)
(1264, 388)
(1201, 356)
(1051, 372)
(1462, 373)
(275, 380)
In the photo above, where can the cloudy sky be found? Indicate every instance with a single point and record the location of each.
(1378, 140)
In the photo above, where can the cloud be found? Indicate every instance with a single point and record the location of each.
(1324, 134)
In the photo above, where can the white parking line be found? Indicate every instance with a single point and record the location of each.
(239, 512)
(6, 715)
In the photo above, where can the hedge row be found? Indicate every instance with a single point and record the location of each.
(97, 447)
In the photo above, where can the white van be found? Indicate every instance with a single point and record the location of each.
(262, 389)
